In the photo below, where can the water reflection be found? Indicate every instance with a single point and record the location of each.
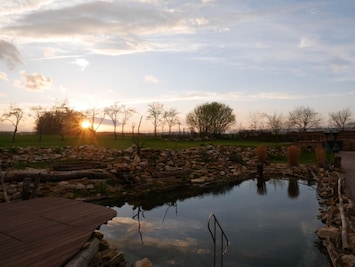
(275, 228)
(137, 215)
(293, 188)
(261, 186)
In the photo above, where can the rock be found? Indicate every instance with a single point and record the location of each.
(143, 263)
(328, 232)
(131, 149)
(108, 253)
(115, 261)
(137, 159)
(348, 260)
(80, 186)
(103, 245)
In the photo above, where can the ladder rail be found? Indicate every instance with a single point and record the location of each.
(224, 238)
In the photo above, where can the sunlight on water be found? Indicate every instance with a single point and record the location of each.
(268, 224)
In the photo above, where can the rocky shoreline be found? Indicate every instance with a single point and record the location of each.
(91, 173)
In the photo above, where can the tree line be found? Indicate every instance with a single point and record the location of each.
(209, 119)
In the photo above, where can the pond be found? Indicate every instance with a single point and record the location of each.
(270, 223)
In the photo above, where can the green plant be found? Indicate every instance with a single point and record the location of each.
(111, 182)
(101, 188)
(14, 150)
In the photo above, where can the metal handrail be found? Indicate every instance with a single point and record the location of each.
(224, 238)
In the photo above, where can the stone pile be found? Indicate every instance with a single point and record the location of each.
(127, 171)
(337, 208)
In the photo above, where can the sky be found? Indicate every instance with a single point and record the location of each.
(258, 57)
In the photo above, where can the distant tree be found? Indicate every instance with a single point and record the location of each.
(276, 123)
(67, 119)
(47, 123)
(156, 112)
(340, 118)
(303, 118)
(171, 118)
(256, 120)
(39, 111)
(113, 112)
(14, 115)
(211, 118)
(126, 114)
(95, 117)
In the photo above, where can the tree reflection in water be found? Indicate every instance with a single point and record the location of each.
(267, 232)
(261, 186)
(171, 204)
(138, 216)
(293, 188)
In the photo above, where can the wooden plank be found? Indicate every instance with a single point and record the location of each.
(47, 231)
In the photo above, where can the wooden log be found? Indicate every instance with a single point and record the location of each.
(55, 176)
(313, 175)
(83, 258)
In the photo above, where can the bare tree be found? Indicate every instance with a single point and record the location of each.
(340, 118)
(171, 118)
(276, 122)
(127, 113)
(14, 115)
(113, 112)
(156, 112)
(95, 116)
(304, 118)
(256, 120)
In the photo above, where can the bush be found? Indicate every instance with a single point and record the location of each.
(293, 155)
(261, 153)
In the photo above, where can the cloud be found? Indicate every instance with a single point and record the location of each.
(34, 81)
(9, 54)
(104, 27)
(151, 79)
(306, 42)
(276, 95)
(3, 76)
(82, 63)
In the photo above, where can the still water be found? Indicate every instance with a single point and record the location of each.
(270, 224)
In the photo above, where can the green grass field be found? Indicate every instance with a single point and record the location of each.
(106, 140)
(145, 141)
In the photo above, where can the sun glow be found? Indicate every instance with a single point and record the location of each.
(85, 124)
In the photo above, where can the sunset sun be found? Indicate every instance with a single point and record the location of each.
(85, 124)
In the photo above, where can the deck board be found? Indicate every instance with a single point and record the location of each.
(47, 231)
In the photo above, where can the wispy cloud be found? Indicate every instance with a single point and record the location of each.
(33, 81)
(3, 76)
(151, 79)
(276, 95)
(106, 27)
(9, 54)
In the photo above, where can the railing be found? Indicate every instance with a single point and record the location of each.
(224, 239)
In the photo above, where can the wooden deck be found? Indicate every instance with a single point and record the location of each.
(47, 231)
